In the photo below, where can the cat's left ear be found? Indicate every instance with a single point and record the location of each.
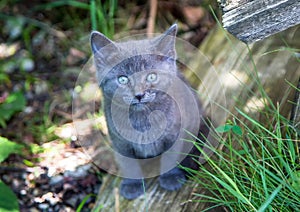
(166, 42)
(98, 41)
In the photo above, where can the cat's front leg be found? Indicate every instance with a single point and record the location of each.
(130, 169)
(132, 188)
(173, 179)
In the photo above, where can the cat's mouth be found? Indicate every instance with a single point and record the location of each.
(139, 99)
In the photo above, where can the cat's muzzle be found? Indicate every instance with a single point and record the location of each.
(139, 98)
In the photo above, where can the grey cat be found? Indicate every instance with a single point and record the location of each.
(149, 107)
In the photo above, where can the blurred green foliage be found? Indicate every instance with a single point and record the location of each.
(8, 200)
(13, 103)
(8, 147)
(102, 13)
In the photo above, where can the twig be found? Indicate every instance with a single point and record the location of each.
(117, 200)
(151, 19)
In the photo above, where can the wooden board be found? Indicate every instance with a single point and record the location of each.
(252, 20)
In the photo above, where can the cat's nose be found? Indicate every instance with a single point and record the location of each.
(139, 96)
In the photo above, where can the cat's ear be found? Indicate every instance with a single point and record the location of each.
(98, 41)
(166, 42)
(172, 31)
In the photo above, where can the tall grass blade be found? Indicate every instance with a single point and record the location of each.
(256, 123)
(93, 12)
(267, 203)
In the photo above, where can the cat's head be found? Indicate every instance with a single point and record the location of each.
(135, 72)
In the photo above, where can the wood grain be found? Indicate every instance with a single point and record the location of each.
(252, 20)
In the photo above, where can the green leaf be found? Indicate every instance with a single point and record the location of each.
(237, 130)
(8, 147)
(28, 163)
(8, 200)
(15, 101)
(224, 128)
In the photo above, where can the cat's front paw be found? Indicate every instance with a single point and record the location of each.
(131, 188)
(173, 179)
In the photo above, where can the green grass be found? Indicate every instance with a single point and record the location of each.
(102, 16)
(257, 167)
(101, 13)
(262, 171)
(83, 202)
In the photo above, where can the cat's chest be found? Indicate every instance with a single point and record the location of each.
(154, 117)
(141, 126)
(149, 150)
(148, 133)
(150, 120)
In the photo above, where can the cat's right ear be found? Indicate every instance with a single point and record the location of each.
(98, 41)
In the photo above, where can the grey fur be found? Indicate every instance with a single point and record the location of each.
(145, 118)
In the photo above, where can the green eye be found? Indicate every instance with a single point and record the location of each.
(123, 80)
(151, 77)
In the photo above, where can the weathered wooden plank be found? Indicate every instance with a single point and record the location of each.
(234, 76)
(252, 20)
(156, 199)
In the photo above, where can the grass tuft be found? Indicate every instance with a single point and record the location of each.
(257, 169)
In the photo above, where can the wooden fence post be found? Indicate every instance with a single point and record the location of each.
(252, 20)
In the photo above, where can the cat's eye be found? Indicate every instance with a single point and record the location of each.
(151, 77)
(123, 80)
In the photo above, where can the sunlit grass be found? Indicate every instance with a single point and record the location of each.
(260, 172)
(257, 164)
(257, 167)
